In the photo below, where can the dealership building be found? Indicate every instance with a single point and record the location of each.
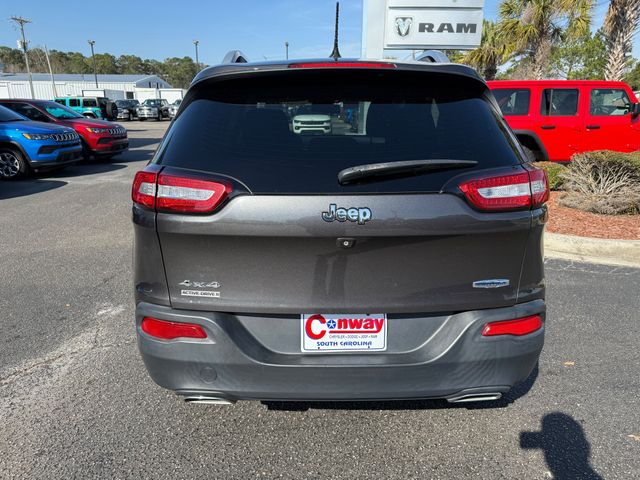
(141, 87)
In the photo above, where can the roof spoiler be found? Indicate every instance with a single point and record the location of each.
(433, 56)
(234, 56)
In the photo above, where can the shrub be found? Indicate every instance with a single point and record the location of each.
(553, 172)
(603, 182)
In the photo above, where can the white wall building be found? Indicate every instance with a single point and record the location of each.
(16, 85)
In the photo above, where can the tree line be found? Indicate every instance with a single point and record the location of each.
(531, 39)
(537, 39)
(177, 71)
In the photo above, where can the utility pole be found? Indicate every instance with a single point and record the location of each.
(53, 80)
(286, 50)
(21, 22)
(196, 42)
(93, 56)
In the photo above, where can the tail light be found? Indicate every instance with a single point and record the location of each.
(165, 330)
(143, 191)
(517, 327)
(528, 189)
(173, 193)
(539, 186)
(189, 195)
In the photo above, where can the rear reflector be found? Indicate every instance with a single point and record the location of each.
(508, 192)
(169, 330)
(343, 65)
(184, 194)
(518, 327)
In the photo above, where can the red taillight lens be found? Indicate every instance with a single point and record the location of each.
(174, 193)
(505, 192)
(143, 191)
(184, 194)
(343, 65)
(169, 330)
(539, 186)
(518, 327)
(508, 192)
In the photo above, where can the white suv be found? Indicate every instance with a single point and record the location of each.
(312, 123)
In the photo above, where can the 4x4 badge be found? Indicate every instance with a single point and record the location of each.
(354, 214)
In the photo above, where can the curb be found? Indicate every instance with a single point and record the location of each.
(624, 253)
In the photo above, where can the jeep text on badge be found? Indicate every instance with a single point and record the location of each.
(353, 214)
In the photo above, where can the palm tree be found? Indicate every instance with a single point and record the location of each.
(491, 53)
(620, 25)
(535, 26)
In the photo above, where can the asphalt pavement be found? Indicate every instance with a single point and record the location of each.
(76, 402)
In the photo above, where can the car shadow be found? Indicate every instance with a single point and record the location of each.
(143, 142)
(565, 447)
(81, 169)
(514, 394)
(21, 188)
(126, 157)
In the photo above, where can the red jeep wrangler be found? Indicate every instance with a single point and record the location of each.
(554, 119)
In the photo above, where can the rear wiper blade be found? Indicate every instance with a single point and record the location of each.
(389, 169)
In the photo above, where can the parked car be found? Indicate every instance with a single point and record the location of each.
(555, 119)
(403, 260)
(34, 146)
(157, 108)
(127, 109)
(99, 137)
(91, 107)
(312, 123)
(173, 108)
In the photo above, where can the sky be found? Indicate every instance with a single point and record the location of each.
(163, 28)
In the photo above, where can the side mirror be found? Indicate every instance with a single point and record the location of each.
(635, 110)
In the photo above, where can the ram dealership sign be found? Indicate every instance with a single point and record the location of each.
(421, 25)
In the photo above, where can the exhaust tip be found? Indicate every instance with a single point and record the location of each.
(476, 397)
(207, 400)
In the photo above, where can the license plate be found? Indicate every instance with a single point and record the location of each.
(343, 332)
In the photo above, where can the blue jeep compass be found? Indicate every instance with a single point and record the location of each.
(36, 146)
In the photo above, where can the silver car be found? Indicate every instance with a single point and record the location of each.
(173, 108)
(157, 108)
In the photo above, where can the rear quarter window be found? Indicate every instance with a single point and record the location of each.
(294, 132)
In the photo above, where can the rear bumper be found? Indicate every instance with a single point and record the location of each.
(258, 358)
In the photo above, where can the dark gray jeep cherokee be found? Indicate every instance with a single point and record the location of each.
(339, 230)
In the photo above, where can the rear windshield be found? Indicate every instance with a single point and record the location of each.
(294, 133)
